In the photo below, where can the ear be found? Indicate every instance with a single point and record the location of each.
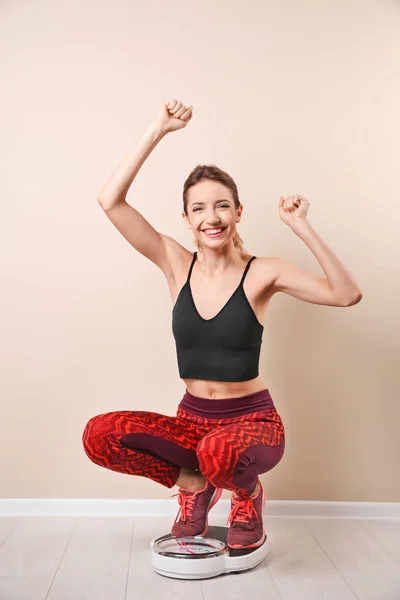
(239, 213)
(186, 220)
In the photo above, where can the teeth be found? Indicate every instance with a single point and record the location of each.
(213, 230)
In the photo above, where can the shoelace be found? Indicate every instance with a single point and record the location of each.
(242, 510)
(186, 501)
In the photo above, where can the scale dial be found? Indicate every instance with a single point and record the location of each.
(189, 547)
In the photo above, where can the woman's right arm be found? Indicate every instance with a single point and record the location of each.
(112, 198)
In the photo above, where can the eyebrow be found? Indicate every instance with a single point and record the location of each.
(221, 200)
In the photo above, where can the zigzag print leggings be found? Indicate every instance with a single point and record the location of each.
(230, 441)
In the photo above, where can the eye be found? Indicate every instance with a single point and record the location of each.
(220, 206)
(224, 205)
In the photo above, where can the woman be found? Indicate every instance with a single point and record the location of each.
(226, 430)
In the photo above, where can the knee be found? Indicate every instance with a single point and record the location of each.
(93, 433)
(203, 447)
(210, 456)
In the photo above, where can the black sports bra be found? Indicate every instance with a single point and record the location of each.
(223, 348)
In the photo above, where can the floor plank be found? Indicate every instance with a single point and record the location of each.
(369, 569)
(299, 566)
(387, 533)
(96, 558)
(95, 562)
(31, 554)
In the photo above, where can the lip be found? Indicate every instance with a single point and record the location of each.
(214, 235)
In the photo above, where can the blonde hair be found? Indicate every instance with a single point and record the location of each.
(213, 173)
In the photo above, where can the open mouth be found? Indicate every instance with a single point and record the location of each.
(213, 233)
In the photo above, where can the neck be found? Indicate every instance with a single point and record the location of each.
(218, 260)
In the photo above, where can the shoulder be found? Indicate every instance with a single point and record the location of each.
(266, 270)
(277, 270)
(272, 263)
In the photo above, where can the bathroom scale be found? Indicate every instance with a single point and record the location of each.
(197, 557)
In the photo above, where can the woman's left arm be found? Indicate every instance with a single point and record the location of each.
(342, 284)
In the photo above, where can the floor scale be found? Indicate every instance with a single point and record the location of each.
(197, 557)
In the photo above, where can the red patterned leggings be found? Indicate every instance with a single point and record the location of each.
(229, 452)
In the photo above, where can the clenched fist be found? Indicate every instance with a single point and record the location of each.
(174, 115)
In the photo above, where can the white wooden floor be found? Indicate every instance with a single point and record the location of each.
(108, 558)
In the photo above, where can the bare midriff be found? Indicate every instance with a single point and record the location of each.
(215, 390)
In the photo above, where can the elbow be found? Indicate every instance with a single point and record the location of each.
(109, 204)
(354, 300)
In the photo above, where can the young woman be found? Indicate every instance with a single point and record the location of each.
(226, 430)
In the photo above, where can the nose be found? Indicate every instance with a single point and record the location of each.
(213, 219)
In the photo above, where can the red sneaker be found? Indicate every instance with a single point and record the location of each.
(194, 509)
(247, 529)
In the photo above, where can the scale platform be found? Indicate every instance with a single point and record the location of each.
(197, 557)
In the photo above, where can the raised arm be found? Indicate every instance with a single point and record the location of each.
(112, 198)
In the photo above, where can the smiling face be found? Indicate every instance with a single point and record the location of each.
(211, 207)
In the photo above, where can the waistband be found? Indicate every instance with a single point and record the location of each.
(225, 408)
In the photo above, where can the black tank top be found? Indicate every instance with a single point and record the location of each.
(223, 348)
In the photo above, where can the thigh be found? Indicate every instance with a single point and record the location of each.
(171, 438)
(237, 445)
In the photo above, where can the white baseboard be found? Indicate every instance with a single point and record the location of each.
(169, 507)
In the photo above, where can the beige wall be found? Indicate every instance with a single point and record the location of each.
(289, 97)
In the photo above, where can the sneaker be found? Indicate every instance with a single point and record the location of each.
(194, 509)
(247, 529)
